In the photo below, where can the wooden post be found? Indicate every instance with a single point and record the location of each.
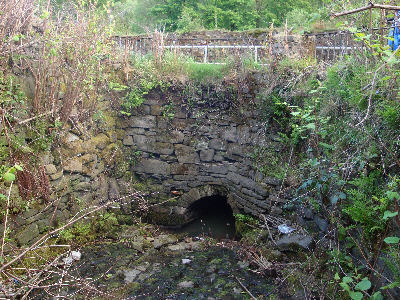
(271, 32)
(382, 24)
(286, 38)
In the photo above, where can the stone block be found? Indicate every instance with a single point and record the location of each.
(150, 133)
(156, 110)
(74, 166)
(70, 137)
(294, 242)
(28, 234)
(113, 190)
(207, 155)
(143, 143)
(244, 135)
(184, 169)
(83, 186)
(219, 156)
(230, 134)
(180, 114)
(88, 158)
(181, 123)
(133, 131)
(272, 181)
(177, 137)
(57, 175)
(143, 122)
(214, 169)
(152, 166)
(162, 123)
(185, 177)
(161, 148)
(128, 141)
(50, 169)
(235, 150)
(217, 144)
(186, 154)
(252, 194)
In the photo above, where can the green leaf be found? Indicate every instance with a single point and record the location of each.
(356, 295)
(391, 286)
(310, 126)
(9, 177)
(45, 14)
(337, 277)
(388, 214)
(16, 38)
(377, 296)
(363, 285)
(392, 195)
(3, 197)
(18, 167)
(347, 279)
(392, 240)
(334, 200)
(345, 286)
(327, 146)
(53, 52)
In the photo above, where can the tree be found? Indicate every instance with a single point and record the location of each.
(134, 16)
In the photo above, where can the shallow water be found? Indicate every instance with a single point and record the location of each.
(216, 220)
(213, 224)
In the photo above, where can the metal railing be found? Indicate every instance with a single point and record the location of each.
(207, 48)
(327, 46)
(212, 51)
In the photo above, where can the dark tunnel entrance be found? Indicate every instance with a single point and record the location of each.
(213, 217)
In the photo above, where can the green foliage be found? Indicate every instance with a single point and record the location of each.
(189, 20)
(301, 19)
(389, 111)
(79, 233)
(133, 16)
(101, 225)
(147, 79)
(9, 175)
(168, 111)
(244, 223)
(354, 290)
(366, 203)
(205, 73)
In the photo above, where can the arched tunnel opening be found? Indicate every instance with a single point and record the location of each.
(211, 216)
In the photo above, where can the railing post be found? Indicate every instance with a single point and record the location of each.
(205, 54)
(256, 54)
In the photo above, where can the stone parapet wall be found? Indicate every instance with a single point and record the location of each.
(271, 44)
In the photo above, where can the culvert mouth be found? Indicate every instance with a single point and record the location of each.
(212, 216)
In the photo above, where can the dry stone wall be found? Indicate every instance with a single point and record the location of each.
(202, 147)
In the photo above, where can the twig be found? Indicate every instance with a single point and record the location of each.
(5, 224)
(35, 117)
(52, 233)
(269, 231)
(245, 288)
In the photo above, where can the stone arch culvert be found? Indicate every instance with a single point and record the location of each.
(202, 151)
